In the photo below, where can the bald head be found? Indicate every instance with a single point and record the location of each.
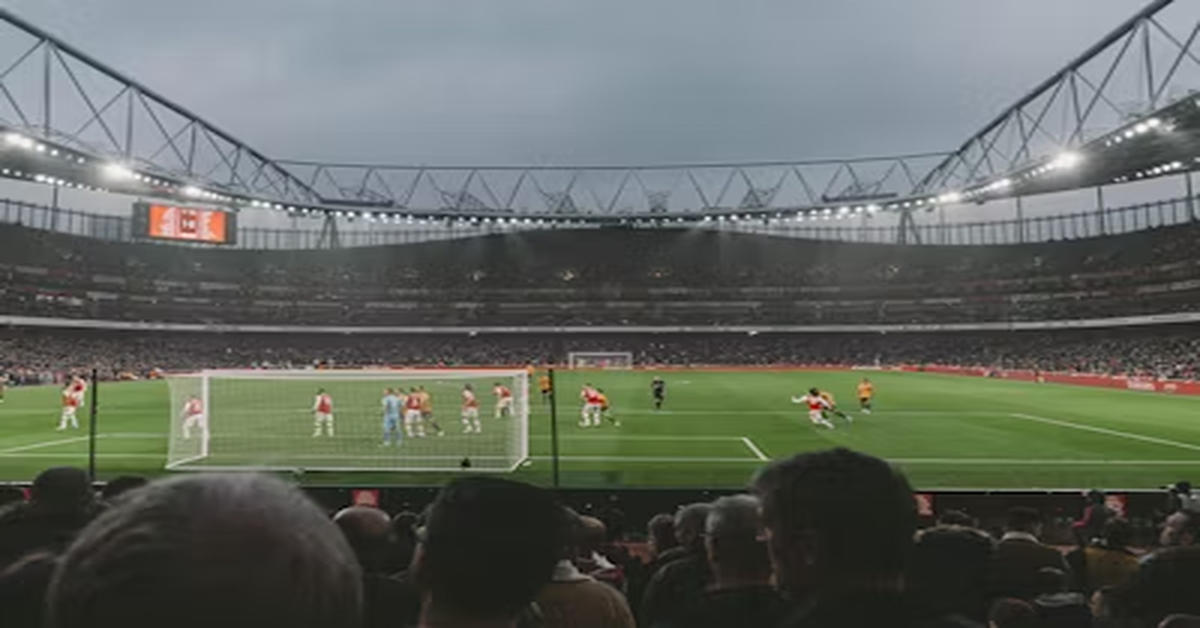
(590, 534)
(236, 551)
(368, 531)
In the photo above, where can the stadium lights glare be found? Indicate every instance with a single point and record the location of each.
(18, 140)
(192, 191)
(1066, 161)
(117, 172)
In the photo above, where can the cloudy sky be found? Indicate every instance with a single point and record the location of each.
(468, 82)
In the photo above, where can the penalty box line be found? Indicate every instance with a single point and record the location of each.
(1107, 432)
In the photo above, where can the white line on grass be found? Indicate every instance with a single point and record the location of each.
(754, 448)
(1106, 431)
(43, 444)
(80, 454)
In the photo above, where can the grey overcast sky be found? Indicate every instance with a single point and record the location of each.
(463, 82)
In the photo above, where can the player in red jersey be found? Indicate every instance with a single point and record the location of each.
(413, 425)
(322, 414)
(592, 406)
(193, 417)
(504, 400)
(470, 411)
(70, 403)
(816, 407)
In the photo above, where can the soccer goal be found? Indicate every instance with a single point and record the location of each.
(600, 360)
(275, 420)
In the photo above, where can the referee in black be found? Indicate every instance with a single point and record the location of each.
(658, 389)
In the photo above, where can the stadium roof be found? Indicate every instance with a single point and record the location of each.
(1123, 110)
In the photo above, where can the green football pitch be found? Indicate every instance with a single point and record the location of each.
(945, 431)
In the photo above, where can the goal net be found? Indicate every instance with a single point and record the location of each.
(276, 420)
(600, 360)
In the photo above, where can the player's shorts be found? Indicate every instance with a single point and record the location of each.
(864, 400)
(816, 415)
(412, 416)
(470, 413)
(426, 415)
(504, 402)
(391, 422)
(589, 408)
(659, 394)
(324, 416)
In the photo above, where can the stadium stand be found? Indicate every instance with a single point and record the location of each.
(603, 277)
(40, 355)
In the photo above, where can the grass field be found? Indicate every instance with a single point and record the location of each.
(717, 428)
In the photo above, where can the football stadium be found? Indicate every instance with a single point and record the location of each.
(804, 359)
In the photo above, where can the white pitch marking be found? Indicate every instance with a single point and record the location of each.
(1106, 431)
(754, 448)
(43, 444)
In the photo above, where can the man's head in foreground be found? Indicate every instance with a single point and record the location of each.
(489, 546)
(837, 520)
(202, 551)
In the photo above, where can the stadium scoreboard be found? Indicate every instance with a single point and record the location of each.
(157, 221)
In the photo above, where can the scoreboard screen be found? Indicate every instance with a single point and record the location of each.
(187, 224)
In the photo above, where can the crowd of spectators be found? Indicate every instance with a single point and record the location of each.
(602, 277)
(825, 539)
(39, 355)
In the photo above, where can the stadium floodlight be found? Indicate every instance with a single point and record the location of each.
(117, 172)
(1066, 161)
(192, 191)
(266, 419)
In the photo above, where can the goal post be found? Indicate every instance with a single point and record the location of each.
(616, 360)
(268, 420)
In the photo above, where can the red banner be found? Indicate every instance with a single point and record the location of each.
(1145, 384)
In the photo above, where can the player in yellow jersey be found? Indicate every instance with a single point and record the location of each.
(426, 404)
(544, 386)
(828, 397)
(866, 390)
(604, 408)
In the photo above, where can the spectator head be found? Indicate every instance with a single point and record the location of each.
(23, 590)
(118, 486)
(1024, 519)
(1180, 621)
(11, 495)
(1096, 497)
(956, 518)
(949, 571)
(836, 519)
(661, 532)
(1165, 585)
(1117, 533)
(62, 489)
(1012, 613)
(489, 546)
(590, 535)
(238, 551)
(734, 540)
(403, 541)
(367, 530)
(1180, 529)
(689, 525)
(1049, 581)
